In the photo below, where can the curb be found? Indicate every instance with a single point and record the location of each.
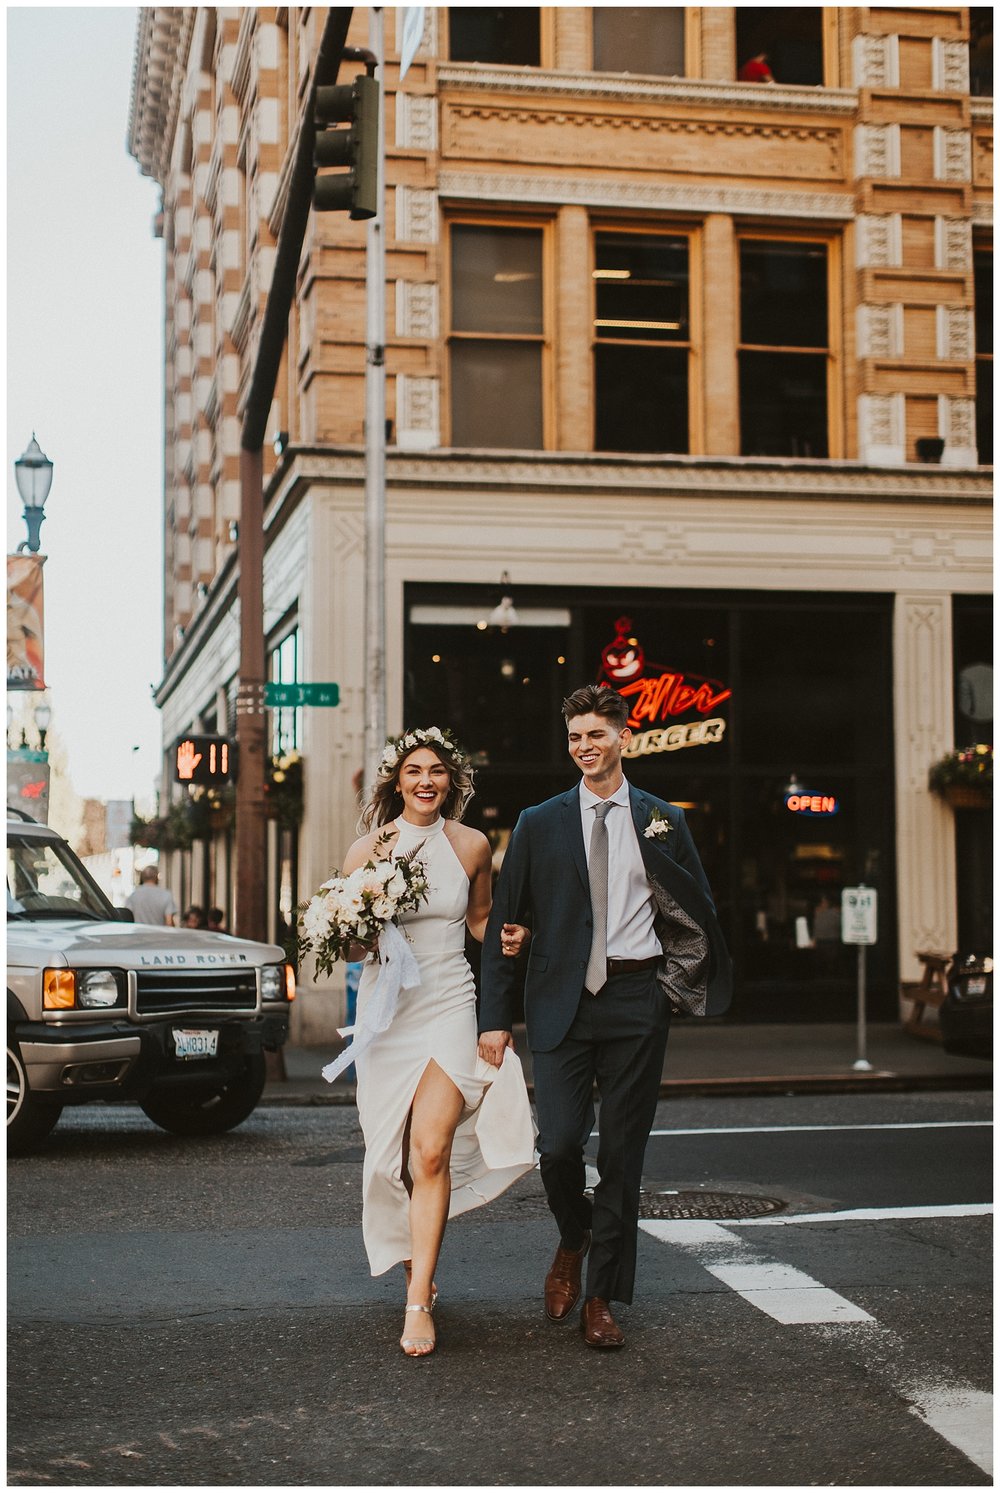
(879, 1082)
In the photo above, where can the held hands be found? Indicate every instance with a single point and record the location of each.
(491, 1047)
(513, 937)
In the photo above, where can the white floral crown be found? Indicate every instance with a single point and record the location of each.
(398, 747)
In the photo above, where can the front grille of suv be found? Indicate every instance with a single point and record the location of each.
(167, 991)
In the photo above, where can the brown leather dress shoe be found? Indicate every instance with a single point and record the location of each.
(600, 1330)
(562, 1284)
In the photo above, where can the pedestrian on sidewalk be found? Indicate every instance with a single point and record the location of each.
(623, 930)
(151, 903)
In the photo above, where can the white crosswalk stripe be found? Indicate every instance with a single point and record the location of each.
(785, 1294)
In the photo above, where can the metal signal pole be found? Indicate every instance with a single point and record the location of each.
(375, 684)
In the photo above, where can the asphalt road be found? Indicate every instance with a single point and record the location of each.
(190, 1313)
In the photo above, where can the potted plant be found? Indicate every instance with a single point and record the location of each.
(964, 778)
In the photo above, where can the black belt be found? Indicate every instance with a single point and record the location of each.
(630, 966)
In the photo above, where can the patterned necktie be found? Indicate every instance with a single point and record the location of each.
(597, 965)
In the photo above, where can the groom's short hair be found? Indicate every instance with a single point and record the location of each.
(597, 699)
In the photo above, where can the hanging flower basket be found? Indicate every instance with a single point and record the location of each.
(964, 779)
(166, 832)
(283, 789)
(210, 810)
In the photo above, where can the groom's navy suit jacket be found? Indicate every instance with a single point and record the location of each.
(543, 882)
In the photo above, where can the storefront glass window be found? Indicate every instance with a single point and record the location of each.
(286, 724)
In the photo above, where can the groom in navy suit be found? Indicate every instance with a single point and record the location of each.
(623, 931)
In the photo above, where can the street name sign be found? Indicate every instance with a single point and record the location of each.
(859, 915)
(281, 696)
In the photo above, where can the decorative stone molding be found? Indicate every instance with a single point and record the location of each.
(486, 78)
(876, 61)
(880, 331)
(922, 696)
(416, 215)
(981, 110)
(161, 56)
(416, 310)
(418, 426)
(952, 154)
(876, 150)
(954, 333)
(461, 186)
(952, 243)
(982, 214)
(879, 240)
(957, 425)
(416, 122)
(429, 40)
(949, 65)
(882, 429)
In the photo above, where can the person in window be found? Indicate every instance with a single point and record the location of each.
(150, 902)
(444, 1132)
(756, 70)
(623, 931)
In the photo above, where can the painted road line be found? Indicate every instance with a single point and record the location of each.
(962, 1415)
(807, 1129)
(787, 1295)
(868, 1215)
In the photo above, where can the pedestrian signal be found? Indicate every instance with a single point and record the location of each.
(204, 760)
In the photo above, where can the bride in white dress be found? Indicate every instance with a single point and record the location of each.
(444, 1131)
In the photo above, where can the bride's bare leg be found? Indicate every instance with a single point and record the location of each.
(437, 1109)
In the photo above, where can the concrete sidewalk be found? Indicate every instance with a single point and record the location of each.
(716, 1057)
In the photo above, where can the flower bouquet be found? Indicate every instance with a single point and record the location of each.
(365, 908)
(356, 909)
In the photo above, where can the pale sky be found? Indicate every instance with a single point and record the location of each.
(84, 373)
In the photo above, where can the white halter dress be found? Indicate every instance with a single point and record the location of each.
(494, 1143)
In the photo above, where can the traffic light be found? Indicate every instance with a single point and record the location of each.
(356, 189)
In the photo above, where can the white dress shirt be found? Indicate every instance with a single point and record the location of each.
(630, 904)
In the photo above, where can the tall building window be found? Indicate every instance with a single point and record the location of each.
(788, 39)
(286, 724)
(981, 51)
(497, 336)
(983, 273)
(511, 36)
(642, 341)
(639, 39)
(784, 348)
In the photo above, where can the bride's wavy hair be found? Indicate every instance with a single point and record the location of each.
(385, 802)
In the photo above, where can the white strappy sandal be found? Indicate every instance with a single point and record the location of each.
(419, 1347)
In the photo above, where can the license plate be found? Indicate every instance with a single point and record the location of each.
(976, 986)
(188, 1044)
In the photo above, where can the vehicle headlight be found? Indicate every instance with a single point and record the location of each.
(97, 988)
(272, 982)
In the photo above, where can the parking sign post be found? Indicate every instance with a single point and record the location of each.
(859, 925)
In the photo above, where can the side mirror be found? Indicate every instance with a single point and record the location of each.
(125, 915)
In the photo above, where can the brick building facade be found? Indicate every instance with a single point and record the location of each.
(707, 354)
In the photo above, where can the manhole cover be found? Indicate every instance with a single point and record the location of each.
(706, 1205)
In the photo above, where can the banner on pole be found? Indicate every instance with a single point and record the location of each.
(411, 26)
(25, 623)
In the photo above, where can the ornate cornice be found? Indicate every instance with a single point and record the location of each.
(705, 92)
(748, 477)
(163, 39)
(982, 110)
(695, 197)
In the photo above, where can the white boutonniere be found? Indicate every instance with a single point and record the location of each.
(659, 826)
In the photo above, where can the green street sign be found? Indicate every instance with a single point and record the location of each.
(280, 696)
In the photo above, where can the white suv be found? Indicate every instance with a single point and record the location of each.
(101, 1008)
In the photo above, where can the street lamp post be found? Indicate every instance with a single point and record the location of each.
(33, 473)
